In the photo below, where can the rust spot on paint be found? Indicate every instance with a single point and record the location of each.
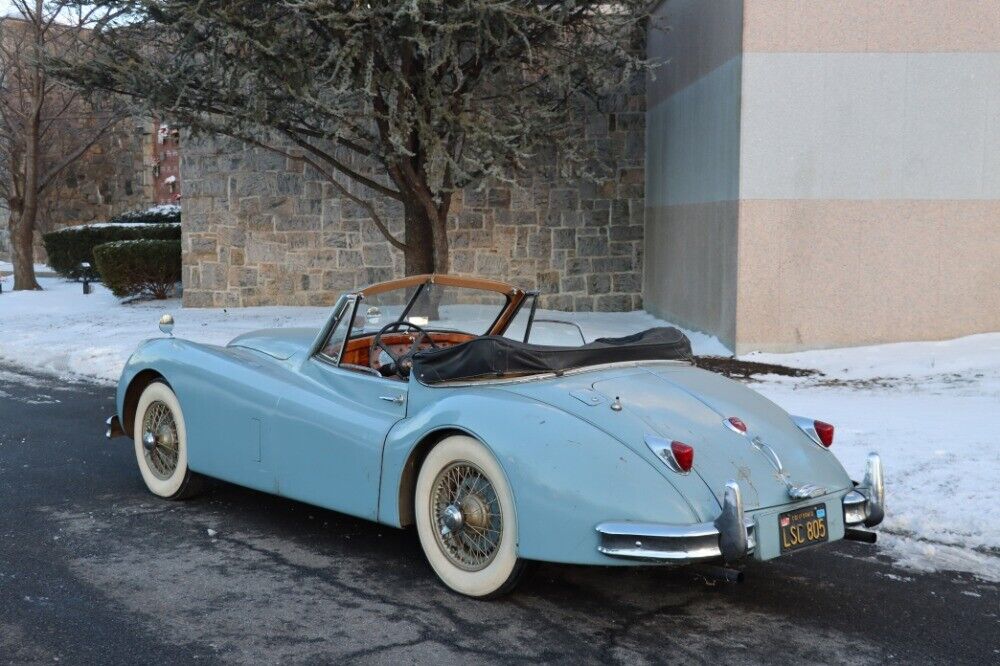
(743, 474)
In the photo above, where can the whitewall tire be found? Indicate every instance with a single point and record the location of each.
(161, 444)
(464, 510)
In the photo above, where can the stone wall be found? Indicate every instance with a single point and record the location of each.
(261, 229)
(111, 178)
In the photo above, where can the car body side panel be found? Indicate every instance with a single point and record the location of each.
(566, 475)
(228, 400)
(261, 422)
(331, 425)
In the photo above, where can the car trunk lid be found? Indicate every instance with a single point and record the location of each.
(691, 405)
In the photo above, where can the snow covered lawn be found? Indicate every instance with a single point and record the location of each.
(61, 331)
(928, 408)
(7, 268)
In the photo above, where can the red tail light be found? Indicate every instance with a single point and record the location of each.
(825, 432)
(683, 454)
(737, 424)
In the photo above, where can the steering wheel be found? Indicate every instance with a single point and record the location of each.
(404, 362)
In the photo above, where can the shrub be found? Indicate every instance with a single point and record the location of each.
(68, 248)
(139, 267)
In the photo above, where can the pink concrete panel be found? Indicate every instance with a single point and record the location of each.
(828, 273)
(888, 26)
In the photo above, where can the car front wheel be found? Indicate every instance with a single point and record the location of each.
(161, 444)
(465, 519)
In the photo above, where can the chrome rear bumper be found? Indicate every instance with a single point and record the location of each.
(866, 503)
(730, 537)
(678, 544)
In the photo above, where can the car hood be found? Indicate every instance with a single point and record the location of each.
(279, 343)
(680, 402)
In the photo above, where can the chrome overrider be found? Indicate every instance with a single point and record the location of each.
(866, 503)
(114, 427)
(730, 536)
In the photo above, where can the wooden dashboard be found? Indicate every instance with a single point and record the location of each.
(359, 350)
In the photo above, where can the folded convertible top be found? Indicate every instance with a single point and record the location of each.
(493, 356)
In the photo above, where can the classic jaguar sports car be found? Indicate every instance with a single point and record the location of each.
(423, 402)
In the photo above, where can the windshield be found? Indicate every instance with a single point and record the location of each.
(433, 307)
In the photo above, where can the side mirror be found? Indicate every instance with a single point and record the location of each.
(359, 322)
(167, 324)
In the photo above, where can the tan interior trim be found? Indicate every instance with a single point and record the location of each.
(435, 278)
(515, 295)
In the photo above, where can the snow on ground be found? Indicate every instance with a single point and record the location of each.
(941, 452)
(7, 267)
(61, 331)
(927, 407)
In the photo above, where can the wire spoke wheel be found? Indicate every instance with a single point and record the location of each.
(160, 439)
(467, 517)
(159, 436)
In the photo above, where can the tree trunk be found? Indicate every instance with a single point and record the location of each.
(419, 257)
(426, 239)
(427, 252)
(22, 241)
(22, 216)
(439, 227)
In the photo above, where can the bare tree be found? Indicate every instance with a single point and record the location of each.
(45, 126)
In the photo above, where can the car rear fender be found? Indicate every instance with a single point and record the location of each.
(567, 476)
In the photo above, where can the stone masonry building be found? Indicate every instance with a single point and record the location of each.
(110, 178)
(260, 228)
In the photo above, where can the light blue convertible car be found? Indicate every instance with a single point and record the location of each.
(422, 402)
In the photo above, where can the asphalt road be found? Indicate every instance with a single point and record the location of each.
(93, 569)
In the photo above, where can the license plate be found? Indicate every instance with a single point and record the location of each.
(802, 527)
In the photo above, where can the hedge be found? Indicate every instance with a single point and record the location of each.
(139, 267)
(161, 214)
(68, 248)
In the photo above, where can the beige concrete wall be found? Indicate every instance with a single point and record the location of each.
(832, 273)
(869, 172)
(870, 26)
(692, 165)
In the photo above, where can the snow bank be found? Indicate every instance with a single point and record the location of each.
(939, 446)
(163, 209)
(928, 408)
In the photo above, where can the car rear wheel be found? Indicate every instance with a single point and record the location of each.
(161, 444)
(464, 510)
